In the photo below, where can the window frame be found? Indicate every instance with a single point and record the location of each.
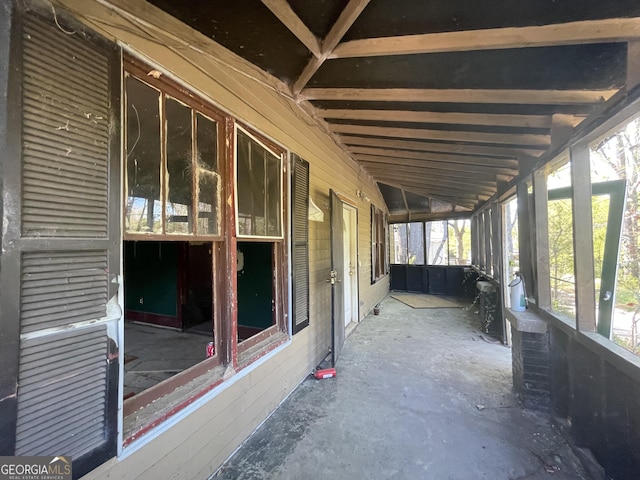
(168, 88)
(278, 153)
(230, 355)
(379, 244)
(424, 242)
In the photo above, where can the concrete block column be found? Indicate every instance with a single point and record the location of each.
(530, 360)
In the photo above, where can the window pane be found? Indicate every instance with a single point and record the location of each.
(617, 157)
(416, 244)
(144, 206)
(259, 191)
(459, 242)
(436, 241)
(510, 241)
(273, 196)
(178, 214)
(209, 186)
(398, 243)
(561, 260)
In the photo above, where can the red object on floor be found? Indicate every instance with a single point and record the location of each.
(325, 373)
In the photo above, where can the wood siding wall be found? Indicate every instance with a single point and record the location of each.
(197, 445)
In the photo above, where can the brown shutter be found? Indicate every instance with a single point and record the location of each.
(65, 247)
(300, 243)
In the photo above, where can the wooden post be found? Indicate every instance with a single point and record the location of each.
(524, 236)
(496, 241)
(543, 275)
(633, 65)
(583, 238)
(486, 219)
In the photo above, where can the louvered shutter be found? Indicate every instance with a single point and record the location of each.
(66, 247)
(300, 243)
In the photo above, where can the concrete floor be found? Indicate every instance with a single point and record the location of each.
(420, 394)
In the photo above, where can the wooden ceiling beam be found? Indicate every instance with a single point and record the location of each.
(505, 164)
(608, 30)
(348, 16)
(346, 19)
(284, 12)
(436, 169)
(429, 217)
(455, 193)
(452, 118)
(508, 152)
(460, 95)
(468, 203)
(450, 177)
(524, 139)
(452, 187)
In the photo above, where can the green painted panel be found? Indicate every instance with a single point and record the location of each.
(255, 285)
(151, 277)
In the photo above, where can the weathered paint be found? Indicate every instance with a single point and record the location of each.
(198, 443)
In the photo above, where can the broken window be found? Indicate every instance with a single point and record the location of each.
(259, 191)
(172, 243)
(179, 334)
(259, 180)
(173, 175)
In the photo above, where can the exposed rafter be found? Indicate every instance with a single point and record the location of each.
(459, 187)
(501, 164)
(524, 139)
(460, 95)
(508, 152)
(433, 181)
(349, 15)
(591, 31)
(444, 176)
(468, 202)
(284, 12)
(453, 118)
(443, 167)
(459, 145)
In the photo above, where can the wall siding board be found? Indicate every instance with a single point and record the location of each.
(256, 99)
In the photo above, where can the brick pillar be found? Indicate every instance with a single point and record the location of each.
(530, 360)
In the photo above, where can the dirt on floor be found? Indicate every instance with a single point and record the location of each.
(420, 394)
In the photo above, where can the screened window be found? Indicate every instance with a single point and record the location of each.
(259, 191)
(561, 258)
(615, 163)
(459, 236)
(436, 236)
(173, 177)
(407, 243)
(443, 242)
